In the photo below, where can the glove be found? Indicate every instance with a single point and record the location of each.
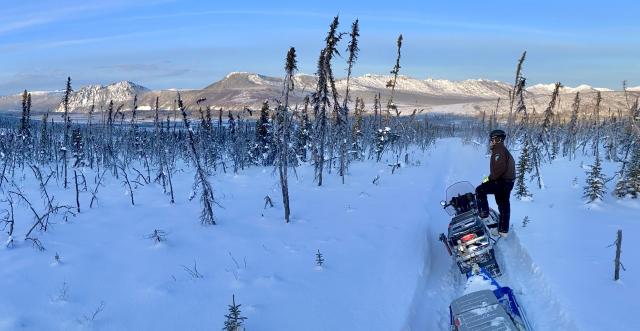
(485, 179)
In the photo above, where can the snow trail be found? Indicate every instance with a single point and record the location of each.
(441, 281)
(520, 272)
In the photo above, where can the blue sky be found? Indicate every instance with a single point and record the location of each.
(190, 44)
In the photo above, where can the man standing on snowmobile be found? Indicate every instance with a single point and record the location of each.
(499, 182)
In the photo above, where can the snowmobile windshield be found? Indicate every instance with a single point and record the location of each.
(456, 190)
(459, 188)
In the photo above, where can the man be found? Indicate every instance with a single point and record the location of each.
(499, 183)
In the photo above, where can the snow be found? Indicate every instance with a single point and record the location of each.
(548, 89)
(87, 96)
(234, 73)
(478, 88)
(485, 309)
(477, 283)
(384, 268)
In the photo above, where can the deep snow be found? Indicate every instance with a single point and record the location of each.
(384, 267)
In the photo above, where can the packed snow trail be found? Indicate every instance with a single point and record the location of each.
(519, 272)
(440, 282)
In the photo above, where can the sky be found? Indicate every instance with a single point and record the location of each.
(190, 44)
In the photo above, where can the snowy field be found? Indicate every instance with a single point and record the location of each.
(384, 268)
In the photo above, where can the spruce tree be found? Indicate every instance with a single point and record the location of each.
(44, 139)
(523, 167)
(77, 148)
(320, 99)
(234, 319)
(356, 145)
(629, 184)
(545, 137)
(343, 130)
(25, 120)
(283, 130)
(572, 128)
(319, 259)
(515, 93)
(303, 135)
(65, 104)
(595, 188)
(393, 82)
(262, 147)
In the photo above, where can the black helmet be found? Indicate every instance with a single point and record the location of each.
(498, 133)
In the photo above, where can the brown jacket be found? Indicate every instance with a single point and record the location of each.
(502, 165)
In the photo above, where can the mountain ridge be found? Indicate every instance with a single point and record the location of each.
(239, 90)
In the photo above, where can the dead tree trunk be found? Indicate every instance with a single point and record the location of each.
(75, 179)
(616, 275)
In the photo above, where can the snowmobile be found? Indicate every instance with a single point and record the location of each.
(469, 238)
(486, 306)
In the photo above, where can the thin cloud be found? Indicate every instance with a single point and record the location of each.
(146, 70)
(278, 13)
(21, 46)
(466, 25)
(46, 15)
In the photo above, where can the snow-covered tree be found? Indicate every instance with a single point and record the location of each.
(629, 184)
(595, 185)
(77, 148)
(25, 121)
(303, 134)
(572, 129)
(523, 167)
(262, 149)
(383, 137)
(283, 129)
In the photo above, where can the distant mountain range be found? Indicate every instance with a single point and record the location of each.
(239, 90)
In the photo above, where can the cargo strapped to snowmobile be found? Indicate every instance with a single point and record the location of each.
(479, 311)
(491, 308)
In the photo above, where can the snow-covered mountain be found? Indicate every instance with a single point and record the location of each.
(249, 88)
(40, 100)
(87, 96)
(239, 90)
(583, 88)
(476, 88)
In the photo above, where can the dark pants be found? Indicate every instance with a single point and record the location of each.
(501, 189)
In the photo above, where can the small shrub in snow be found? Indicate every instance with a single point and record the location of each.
(63, 294)
(319, 259)
(525, 221)
(234, 319)
(193, 272)
(157, 236)
(268, 202)
(394, 166)
(86, 319)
